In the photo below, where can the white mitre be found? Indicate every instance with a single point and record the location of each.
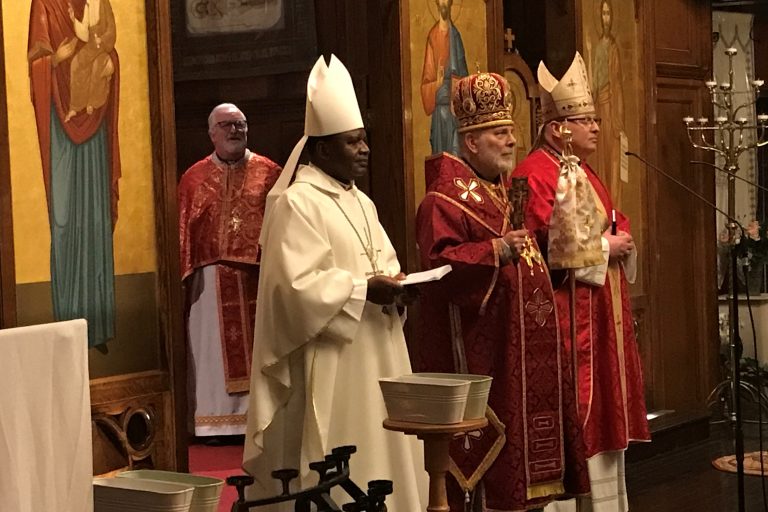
(568, 97)
(331, 108)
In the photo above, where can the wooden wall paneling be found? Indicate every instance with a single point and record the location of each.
(7, 270)
(171, 330)
(683, 341)
(684, 264)
(682, 37)
(390, 181)
(411, 257)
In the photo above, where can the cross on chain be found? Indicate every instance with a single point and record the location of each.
(372, 255)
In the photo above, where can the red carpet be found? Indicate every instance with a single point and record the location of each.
(218, 462)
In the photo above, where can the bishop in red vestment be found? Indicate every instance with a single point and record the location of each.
(610, 383)
(494, 314)
(221, 207)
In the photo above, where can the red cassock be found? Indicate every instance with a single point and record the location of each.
(221, 209)
(611, 401)
(495, 319)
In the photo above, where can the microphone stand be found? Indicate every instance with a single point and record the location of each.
(755, 391)
(736, 344)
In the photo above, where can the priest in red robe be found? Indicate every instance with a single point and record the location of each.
(610, 383)
(221, 207)
(494, 314)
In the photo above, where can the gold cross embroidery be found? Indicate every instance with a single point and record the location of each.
(468, 190)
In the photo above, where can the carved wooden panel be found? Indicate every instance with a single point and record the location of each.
(683, 278)
(133, 423)
(681, 35)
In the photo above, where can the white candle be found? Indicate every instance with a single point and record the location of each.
(703, 120)
(720, 119)
(762, 118)
(710, 83)
(742, 120)
(689, 119)
(725, 85)
(758, 83)
(731, 51)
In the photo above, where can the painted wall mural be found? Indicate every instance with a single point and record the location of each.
(447, 42)
(78, 96)
(613, 55)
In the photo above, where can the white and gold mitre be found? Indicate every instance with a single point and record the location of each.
(331, 108)
(570, 96)
(331, 101)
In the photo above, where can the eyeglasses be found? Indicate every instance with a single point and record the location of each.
(227, 125)
(584, 121)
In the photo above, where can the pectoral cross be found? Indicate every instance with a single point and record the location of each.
(372, 254)
(532, 255)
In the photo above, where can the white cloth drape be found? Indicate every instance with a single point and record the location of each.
(45, 419)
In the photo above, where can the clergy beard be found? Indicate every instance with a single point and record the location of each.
(491, 166)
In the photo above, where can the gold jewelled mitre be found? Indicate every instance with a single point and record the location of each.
(570, 96)
(482, 100)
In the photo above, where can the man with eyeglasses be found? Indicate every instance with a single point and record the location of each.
(610, 383)
(221, 205)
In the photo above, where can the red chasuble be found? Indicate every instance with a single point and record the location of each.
(495, 319)
(221, 208)
(611, 402)
(50, 27)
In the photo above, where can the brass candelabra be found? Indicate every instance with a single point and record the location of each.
(725, 137)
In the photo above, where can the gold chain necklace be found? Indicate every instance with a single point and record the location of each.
(369, 251)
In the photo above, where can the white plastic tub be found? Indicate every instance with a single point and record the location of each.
(477, 397)
(136, 495)
(206, 495)
(424, 399)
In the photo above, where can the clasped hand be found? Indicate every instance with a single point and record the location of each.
(516, 240)
(386, 290)
(621, 244)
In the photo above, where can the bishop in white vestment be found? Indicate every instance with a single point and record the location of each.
(327, 325)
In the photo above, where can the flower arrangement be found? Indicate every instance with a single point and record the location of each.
(754, 246)
(752, 253)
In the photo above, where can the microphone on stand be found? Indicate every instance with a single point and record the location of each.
(701, 162)
(687, 188)
(736, 343)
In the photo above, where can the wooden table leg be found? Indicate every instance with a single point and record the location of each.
(436, 462)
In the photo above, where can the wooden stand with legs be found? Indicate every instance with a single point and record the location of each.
(437, 439)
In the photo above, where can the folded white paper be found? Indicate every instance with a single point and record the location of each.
(426, 276)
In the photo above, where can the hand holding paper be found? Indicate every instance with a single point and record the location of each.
(426, 276)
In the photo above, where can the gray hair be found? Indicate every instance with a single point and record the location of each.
(220, 106)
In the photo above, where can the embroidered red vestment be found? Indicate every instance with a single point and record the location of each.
(495, 319)
(611, 400)
(221, 208)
